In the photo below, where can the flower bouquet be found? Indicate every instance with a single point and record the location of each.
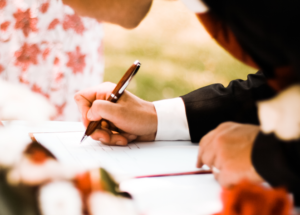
(33, 182)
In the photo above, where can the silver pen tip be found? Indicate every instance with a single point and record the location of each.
(83, 138)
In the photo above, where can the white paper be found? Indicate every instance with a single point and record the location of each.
(176, 195)
(136, 159)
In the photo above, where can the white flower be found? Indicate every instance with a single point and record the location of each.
(31, 173)
(18, 102)
(103, 203)
(12, 146)
(281, 114)
(60, 198)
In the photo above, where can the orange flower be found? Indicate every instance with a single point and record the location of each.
(83, 183)
(251, 199)
(37, 153)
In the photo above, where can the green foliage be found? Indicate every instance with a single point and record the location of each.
(17, 200)
(171, 69)
(110, 185)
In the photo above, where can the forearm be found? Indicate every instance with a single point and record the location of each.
(126, 13)
(210, 106)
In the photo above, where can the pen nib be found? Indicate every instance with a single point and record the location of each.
(83, 138)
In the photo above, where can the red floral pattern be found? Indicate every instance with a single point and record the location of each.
(73, 22)
(44, 51)
(2, 4)
(59, 77)
(25, 22)
(60, 109)
(4, 25)
(27, 55)
(1, 68)
(38, 89)
(23, 80)
(56, 61)
(44, 7)
(53, 24)
(76, 61)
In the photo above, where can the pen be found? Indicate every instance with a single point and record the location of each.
(114, 96)
(199, 172)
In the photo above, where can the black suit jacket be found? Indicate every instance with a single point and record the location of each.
(278, 162)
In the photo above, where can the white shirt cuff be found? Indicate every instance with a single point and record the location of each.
(172, 122)
(197, 6)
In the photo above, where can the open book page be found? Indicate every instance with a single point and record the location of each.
(136, 159)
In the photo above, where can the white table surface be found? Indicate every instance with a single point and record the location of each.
(176, 195)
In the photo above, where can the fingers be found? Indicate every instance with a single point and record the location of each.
(83, 106)
(112, 138)
(109, 138)
(100, 92)
(205, 155)
(85, 98)
(104, 109)
(227, 178)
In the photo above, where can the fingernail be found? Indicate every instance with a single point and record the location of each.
(101, 140)
(119, 143)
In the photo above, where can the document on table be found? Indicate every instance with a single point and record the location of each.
(136, 159)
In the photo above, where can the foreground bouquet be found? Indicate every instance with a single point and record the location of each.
(34, 182)
(246, 198)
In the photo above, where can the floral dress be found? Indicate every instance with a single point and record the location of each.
(45, 46)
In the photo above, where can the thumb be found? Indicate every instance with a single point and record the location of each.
(103, 109)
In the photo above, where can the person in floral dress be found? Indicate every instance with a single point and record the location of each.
(47, 47)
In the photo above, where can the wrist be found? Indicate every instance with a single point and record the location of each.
(152, 121)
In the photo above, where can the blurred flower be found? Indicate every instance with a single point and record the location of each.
(281, 114)
(31, 172)
(103, 203)
(12, 146)
(17, 102)
(250, 199)
(60, 198)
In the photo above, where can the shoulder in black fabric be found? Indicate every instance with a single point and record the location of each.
(267, 29)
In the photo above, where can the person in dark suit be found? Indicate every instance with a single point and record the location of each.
(235, 135)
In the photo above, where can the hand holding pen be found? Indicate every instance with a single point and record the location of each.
(135, 118)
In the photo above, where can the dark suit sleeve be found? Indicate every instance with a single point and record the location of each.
(209, 106)
(278, 162)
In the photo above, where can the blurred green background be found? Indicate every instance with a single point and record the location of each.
(176, 53)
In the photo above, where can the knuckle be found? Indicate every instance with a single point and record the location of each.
(77, 97)
(96, 105)
(225, 125)
(219, 139)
